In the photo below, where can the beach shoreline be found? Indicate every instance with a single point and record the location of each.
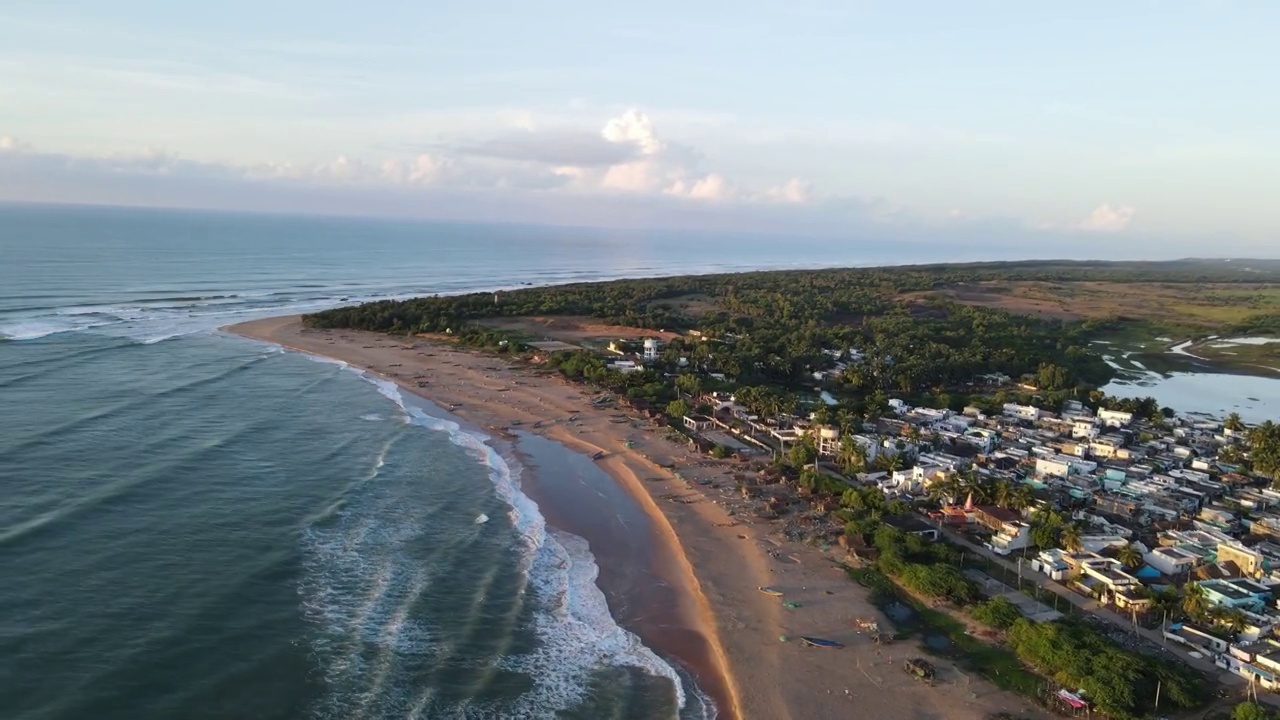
(732, 638)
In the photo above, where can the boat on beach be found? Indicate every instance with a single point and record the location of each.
(770, 591)
(820, 642)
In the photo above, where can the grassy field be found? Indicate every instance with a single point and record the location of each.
(1192, 308)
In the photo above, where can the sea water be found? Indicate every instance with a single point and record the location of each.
(194, 525)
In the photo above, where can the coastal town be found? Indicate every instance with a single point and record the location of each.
(1148, 521)
(962, 463)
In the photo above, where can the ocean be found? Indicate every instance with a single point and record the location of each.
(194, 525)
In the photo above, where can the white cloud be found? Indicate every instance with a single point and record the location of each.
(794, 190)
(1108, 218)
(627, 156)
(712, 187)
(8, 143)
(635, 127)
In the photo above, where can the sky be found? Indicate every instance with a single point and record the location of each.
(1140, 124)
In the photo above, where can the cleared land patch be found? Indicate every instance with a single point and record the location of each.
(1194, 306)
(572, 329)
(693, 305)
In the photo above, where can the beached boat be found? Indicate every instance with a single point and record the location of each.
(820, 642)
(770, 591)
(598, 455)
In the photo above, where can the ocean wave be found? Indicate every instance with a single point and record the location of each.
(576, 632)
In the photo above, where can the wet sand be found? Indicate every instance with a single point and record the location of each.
(726, 632)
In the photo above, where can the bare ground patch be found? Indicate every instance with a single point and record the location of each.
(572, 329)
(692, 305)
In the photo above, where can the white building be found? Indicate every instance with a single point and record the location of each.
(1022, 412)
(1115, 418)
(1063, 465)
(1172, 561)
(651, 349)
(1083, 429)
(1010, 537)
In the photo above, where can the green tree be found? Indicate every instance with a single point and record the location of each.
(1264, 449)
(947, 489)
(822, 414)
(802, 453)
(1194, 602)
(997, 612)
(677, 409)
(1233, 620)
(851, 457)
(689, 384)
(1233, 422)
(1130, 556)
(1046, 529)
(1251, 711)
(1070, 538)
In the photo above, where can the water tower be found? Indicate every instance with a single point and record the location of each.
(650, 349)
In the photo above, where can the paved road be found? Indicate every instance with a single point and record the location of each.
(1095, 608)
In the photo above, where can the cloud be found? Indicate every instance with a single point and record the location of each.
(712, 187)
(794, 190)
(626, 156)
(580, 149)
(1106, 218)
(636, 128)
(10, 144)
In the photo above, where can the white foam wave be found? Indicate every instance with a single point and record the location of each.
(372, 417)
(576, 632)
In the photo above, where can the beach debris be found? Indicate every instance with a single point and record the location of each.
(482, 519)
(921, 669)
(820, 642)
(792, 605)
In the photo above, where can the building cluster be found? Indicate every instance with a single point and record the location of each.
(1153, 508)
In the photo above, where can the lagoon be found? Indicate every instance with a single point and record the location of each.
(1255, 398)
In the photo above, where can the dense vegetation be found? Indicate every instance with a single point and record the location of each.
(1121, 682)
(772, 327)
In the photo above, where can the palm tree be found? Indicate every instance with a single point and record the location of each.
(975, 485)
(1234, 620)
(894, 463)
(852, 457)
(1001, 492)
(1165, 602)
(1129, 556)
(1070, 538)
(845, 420)
(1021, 497)
(1194, 602)
(1233, 422)
(947, 489)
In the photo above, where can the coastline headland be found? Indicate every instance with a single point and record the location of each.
(735, 640)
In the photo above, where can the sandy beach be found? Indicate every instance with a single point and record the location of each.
(721, 627)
